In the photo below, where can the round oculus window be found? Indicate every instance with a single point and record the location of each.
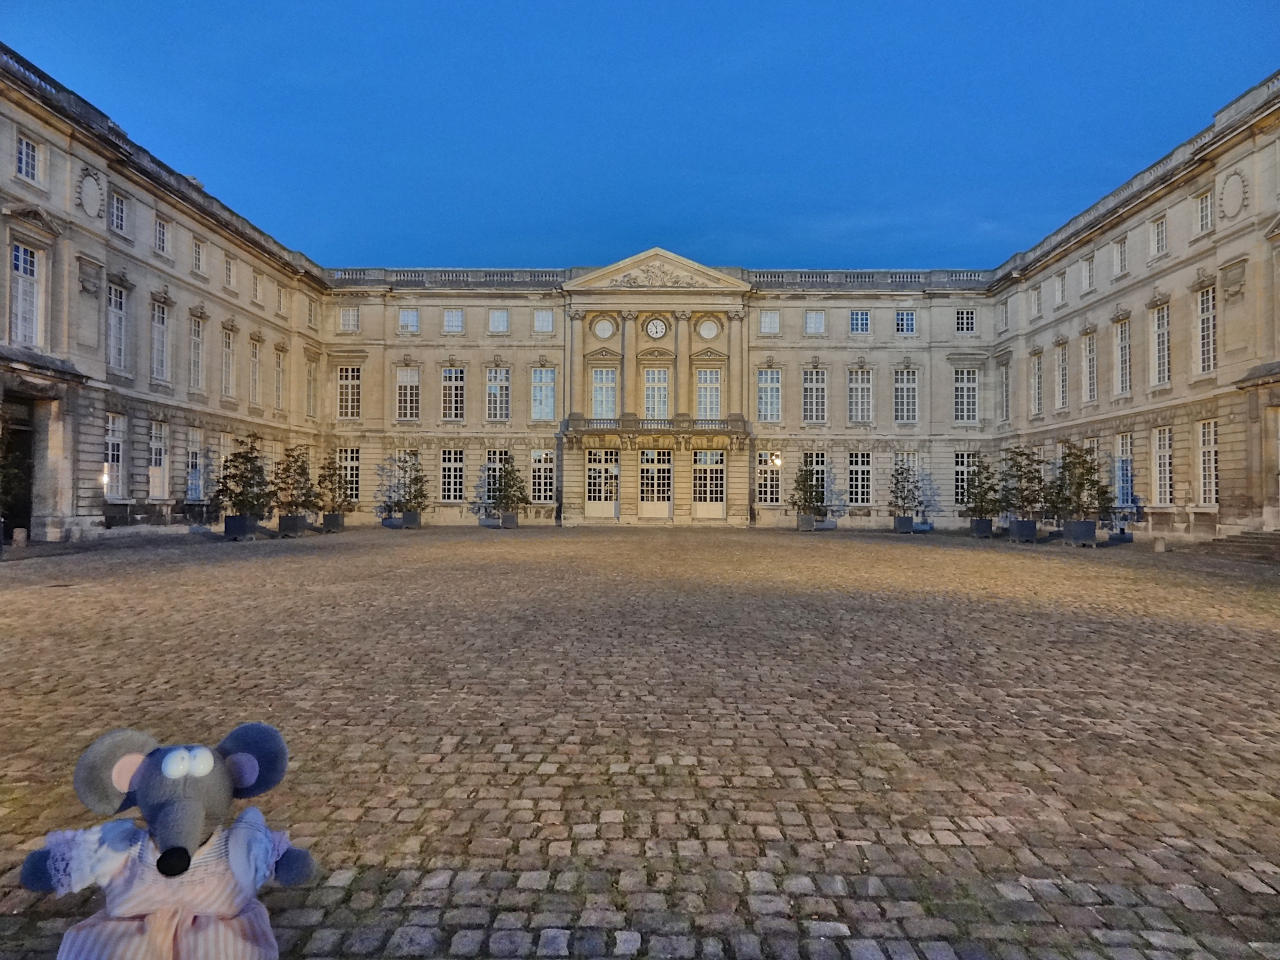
(604, 329)
(708, 329)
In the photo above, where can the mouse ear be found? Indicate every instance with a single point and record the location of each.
(256, 757)
(105, 770)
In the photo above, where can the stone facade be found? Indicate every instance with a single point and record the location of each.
(148, 325)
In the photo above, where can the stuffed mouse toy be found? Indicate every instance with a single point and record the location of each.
(182, 886)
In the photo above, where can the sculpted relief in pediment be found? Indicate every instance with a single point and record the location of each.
(655, 273)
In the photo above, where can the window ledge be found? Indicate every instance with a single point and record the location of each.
(498, 333)
(230, 291)
(906, 424)
(1060, 306)
(163, 257)
(1161, 390)
(255, 410)
(346, 333)
(282, 316)
(1206, 508)
(453, 333)
(197, 396)
(1158, 257)
(1206, 235)
(203, 278)
(1088, 293)
(1036, 418)
(31, 184)
(1203, 379)
(120, 235)
(406, 422)
(769, 336)
(161, 386)
(1120, 276)
(408, 333)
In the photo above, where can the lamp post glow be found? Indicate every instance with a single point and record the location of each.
(776, 460)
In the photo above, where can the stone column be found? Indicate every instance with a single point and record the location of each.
(577, 372)
(628, 371)
(682, 362)
(736, 360)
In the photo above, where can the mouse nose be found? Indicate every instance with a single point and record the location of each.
(173, 861)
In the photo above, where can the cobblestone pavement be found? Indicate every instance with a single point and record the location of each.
(550, 743)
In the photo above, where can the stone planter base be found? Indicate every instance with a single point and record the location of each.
(904, 524)
(980, 527)
(509, 521)
(412, 519)
(1022, 531)
(393, 523)
(238, 526)
(805, 522)
(293, 525)
(334, 522)
(1083, 533)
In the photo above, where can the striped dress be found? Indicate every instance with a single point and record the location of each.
(208, 913)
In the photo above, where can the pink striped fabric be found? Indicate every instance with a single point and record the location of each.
(208, 913)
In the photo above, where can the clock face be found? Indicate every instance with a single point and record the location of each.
(656, 328)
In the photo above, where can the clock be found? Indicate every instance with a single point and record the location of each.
(656, 328)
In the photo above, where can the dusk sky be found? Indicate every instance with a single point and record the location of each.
(824, 135)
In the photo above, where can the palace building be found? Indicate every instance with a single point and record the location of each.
(147, 326)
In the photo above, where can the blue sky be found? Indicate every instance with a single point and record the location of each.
(825, 135)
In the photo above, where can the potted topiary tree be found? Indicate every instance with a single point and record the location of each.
(982, 496)
(904, 497)
(1021, 491)
(413, 489)
(808, 499)
(508, 493)
(1083, 497)
(294, 491)
(334, 498)
(244, 491)
(390, 493)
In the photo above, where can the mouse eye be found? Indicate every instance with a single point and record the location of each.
(201, 761)
(175, 764)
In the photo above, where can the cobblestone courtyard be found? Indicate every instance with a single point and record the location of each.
(686, 743)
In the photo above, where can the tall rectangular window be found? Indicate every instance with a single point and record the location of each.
(408, 393)
(1124, 470)
(157, 460)
(278, 380)
(499, 321)
(542, 400)
(195, 466)
(1159, 236)
(162, 235)
(311, 314)
(113, 464)
(228, 270)
(1062, 393)
(602, 476)
(1089, 347)
(453, 320)
(655, 393)
(813, 396)
(1005, 393)
(197, 255)
(1124, 358)
(768, 476)
(1087, 274)
(228, 363)
(966, 321)
(768, 395)
(497, 393)
(1204, 212)
(159, 341)
(815, 462)
(348, 393)
(311, 388)
(1037, 384)
(28, 162)
(604, 393)
(904, 396)
(542, 476)
(493, 461)
(964, 462)
(708, 398)
(349, 466)
(860, 478)
(815, 322)
(451, 476)
(966, 395)
(859, 321)
(1208, 330)
(544, 321)
(1060, 288)
(408, 320)
(255, 287)
(1162, 473)
(119, 213)
(1037, 301)
(349, 320)
(1120, 256)
(195, 366)
(255, 372)
(655, 476)
(117, 327)
(1160, 367)
(904, 322)
(24, 326)
(282, 300)
(1208, 462)
(769, 324)
(1002, 316)
(453, 385)
(860, 393)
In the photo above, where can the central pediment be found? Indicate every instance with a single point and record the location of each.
(657, 269)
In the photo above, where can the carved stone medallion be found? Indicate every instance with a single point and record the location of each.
(1234, 195)
(89, 193)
